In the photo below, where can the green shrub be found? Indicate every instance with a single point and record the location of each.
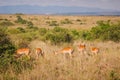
(21, 29)
(14, 31)
(53, 23)
(8, 64)
(23, 44)
(29, 24)
(112, 33)
(42, 31)
(78, 20)
(114, 75)
(20, 20)
(59, 35)
(66, 21)
(76, 34)
(104, 31)
(103, 24)
(6, 45)
(19, 13)
(6, 23)
(31, 28)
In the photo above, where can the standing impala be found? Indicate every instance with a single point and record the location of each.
(39, 52)
(94, 50)
(23, 51)
(81, 48)
(67, 50)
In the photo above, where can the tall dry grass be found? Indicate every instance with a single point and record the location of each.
(104, 66)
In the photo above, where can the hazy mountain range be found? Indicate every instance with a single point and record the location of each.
(58, 10)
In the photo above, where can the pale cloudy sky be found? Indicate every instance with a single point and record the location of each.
(104, 4)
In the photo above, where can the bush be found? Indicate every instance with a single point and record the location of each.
(31, 29)
(114, 75)
(59, 35)
(10, 66)
(21, 29)
(20, 20)
(78, 20)
(66, 21)
(29, 24)
(104, 31)
(53, 23)
(6, 45)
(6, 23)
(42, 31)
(15, 31)
(76, 34)
(112, 33)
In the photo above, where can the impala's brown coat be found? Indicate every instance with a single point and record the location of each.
(94, 50)
(39, 52)
(81, 48)
(24, 51)
(67, 50)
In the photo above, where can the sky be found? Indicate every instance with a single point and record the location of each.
(103, 4)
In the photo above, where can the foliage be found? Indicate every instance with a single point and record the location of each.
(52, 23)
(15, 30)
(66, 21)
(104, 31)
(20, 20)
(10, 65)
(19, 13)
(23, 21)
(6, 23)
(75, 33)
(29, 23)
(6, 45)
(59, 35)
(42, 31)
(78, 20)
(114, 75)
(21, 29)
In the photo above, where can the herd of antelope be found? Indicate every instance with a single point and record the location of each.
(81, 48)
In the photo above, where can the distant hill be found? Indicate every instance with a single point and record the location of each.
(58, 10)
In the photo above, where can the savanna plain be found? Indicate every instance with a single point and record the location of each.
(54, 33)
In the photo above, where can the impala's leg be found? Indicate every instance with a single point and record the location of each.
(96, 53)
(28, 56)
(85, 52)
(42, 54)
(70, 54)
(37, 55)
(64, 55)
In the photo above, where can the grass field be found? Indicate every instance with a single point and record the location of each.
(78, 22)
(103, 66)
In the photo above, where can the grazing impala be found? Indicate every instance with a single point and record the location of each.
(38, 52)
(94, 50)
(67, 50)
(81, 48)
(23, 51)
